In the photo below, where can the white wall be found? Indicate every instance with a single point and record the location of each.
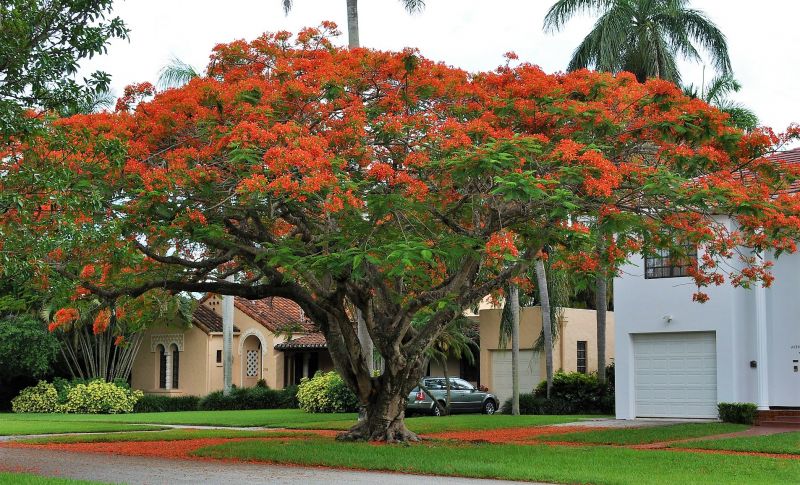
(783, 323)
(641, 306)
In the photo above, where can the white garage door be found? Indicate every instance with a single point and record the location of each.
(675, 374)
(501, 372)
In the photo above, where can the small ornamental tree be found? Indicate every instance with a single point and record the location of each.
(383, 180)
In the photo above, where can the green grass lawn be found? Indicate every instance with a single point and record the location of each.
(272, 418)
(35, 426)
(30, 479)
(167, 435)
(654, 434)
(596, 465)
(787, 443)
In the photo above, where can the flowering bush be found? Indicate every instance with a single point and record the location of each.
(94, 397)
(326, 393)
(101, 397)
(41, 398)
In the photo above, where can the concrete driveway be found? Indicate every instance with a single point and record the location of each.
(142, 470)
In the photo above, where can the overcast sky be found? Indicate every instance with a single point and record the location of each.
(763, 38)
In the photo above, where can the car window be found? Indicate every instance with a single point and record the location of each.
(461, 384)
(436, 384)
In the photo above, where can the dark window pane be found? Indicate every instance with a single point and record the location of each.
(582, 357)
(663, 264)
(162, 367)
(175, 366)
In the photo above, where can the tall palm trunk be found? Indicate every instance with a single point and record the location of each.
(601, 307)
(547, 329)
(448, 395)
(352, 23)
(227, 344)
(513, 300)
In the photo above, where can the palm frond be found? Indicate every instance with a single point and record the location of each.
(720, 87)
(176, 74)
(414, 5)
(701, 30)
(563, 10)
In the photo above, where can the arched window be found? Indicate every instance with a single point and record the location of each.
(162, 367)
(175, 365)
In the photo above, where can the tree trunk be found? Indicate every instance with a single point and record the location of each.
(385, 414)
(352, 23)
(547, 328)
(513, 300)
(601, 306)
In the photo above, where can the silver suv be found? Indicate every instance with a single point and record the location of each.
(464, 398)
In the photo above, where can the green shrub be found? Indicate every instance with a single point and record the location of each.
(100, 397)
(258, 397)
(92, 397)
(738, 412)
(154, 403)
(326, 393)
(41, 398)
(572, 393)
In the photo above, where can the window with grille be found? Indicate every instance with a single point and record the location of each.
(162, 367)
(252, 363)
(664, 263)
(175, 365)
(582, 362)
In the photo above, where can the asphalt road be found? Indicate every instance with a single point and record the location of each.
(145, 470)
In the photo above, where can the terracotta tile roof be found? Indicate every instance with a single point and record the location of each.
(787, 158)
(309, 341)
(275, 313)
(208, 320)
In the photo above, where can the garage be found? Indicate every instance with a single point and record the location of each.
(529, 365)
(675, 375)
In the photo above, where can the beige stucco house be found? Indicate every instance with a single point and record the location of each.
(177, 361)
(575, 348)
(275, 342)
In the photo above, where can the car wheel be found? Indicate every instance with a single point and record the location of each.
(489, 407)
(436, 410)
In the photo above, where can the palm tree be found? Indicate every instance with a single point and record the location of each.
(513, 301)
(716, 94)
(547, 329)
(601, 307)
(644, 37)
(352, 16)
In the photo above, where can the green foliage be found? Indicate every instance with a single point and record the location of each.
(41, 45)
(94, 397)
(737, 412)
(100, 397)
(258, 397)
(41, 398)
(26, 347)
(153, 403)
(572, 393)
(326, 392)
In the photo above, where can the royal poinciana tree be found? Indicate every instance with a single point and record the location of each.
(383, 180)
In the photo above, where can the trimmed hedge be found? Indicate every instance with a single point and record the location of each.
(326, 392)
(250, 398)
(738, 412)
(572, 393)
(153, 403)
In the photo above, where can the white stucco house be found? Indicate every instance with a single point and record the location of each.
(678, 358)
